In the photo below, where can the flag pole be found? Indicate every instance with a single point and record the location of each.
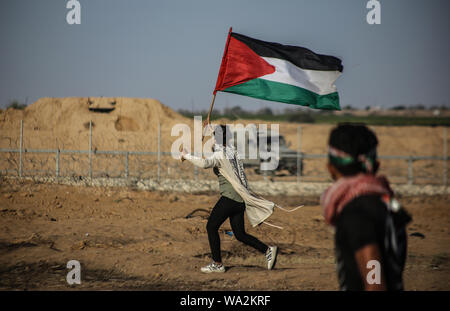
(205, 124)
(210, 108)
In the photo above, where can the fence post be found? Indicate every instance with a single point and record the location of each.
(126, 165)
(21, 148)
(445, 156)
(57, 162)
(299, 150)
(159, 150)
(410, 171)
(90, 150)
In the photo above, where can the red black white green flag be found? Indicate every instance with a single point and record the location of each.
(276, 72)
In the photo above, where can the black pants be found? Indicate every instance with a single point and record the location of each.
(227, 208)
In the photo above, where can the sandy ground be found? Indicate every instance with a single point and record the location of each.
(128, 239)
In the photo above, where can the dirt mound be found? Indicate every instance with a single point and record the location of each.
(64, 123)
(71, 113)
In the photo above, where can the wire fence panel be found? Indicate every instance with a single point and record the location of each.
(9, 163)
(395, 169)
(20, 159)
(108, 166)
(142, 166)
(38, 164)
(147, 165)
(74, 164)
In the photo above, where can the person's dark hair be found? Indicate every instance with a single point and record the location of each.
(355, 140)
(222, 134)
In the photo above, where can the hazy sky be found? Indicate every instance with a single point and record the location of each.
(171, 49)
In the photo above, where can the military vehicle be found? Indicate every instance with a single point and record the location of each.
(252, 157)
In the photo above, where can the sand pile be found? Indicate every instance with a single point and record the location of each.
(118, 123)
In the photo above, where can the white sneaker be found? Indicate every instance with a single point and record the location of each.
(271, 256)
(213, 267)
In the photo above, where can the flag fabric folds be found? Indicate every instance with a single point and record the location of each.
(276, 72)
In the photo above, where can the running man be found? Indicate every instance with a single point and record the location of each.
(370, 236)
(230, 172)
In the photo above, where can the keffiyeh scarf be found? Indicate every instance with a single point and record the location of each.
(232, 156)
(338, 195)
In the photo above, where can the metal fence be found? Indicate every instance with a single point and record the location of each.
(159, 164)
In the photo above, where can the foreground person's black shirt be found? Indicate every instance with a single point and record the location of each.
(366, 220)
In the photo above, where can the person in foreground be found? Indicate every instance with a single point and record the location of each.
(370, 225)
(233, 190)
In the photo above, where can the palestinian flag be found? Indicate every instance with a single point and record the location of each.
(276, 72)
